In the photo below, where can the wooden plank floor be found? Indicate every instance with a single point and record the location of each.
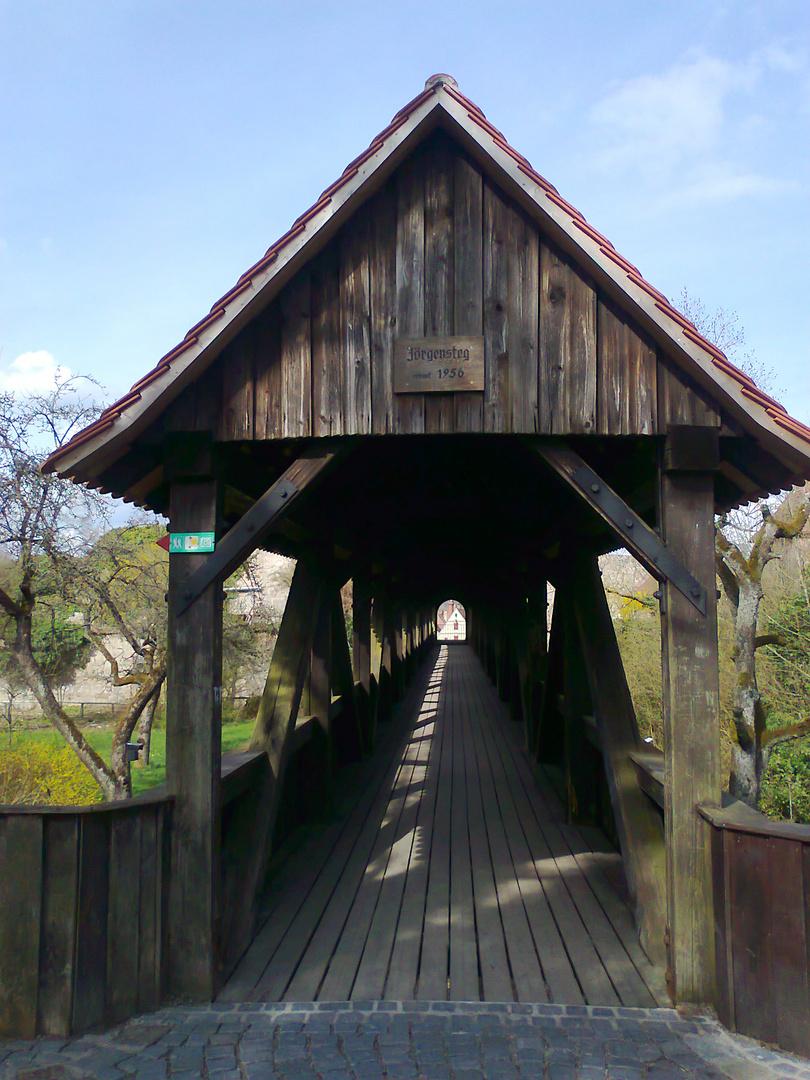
(453, 876)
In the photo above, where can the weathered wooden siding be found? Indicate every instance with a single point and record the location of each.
(440, 251)
(80, 916)
(761, 885)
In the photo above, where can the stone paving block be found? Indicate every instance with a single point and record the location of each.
(151, 1070)
(592, 1072)
(561, 1071)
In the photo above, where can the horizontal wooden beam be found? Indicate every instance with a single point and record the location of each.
(633, 532)
(245, 536)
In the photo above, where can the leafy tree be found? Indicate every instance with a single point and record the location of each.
(48, 530)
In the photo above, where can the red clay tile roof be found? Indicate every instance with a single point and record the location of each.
(774, 409)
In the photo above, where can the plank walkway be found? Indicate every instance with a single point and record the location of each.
(453, 877)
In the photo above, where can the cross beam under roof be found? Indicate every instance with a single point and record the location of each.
(232, 550)
(634, 533)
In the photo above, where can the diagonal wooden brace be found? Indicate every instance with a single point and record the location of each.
(255, 524)
(633, 532)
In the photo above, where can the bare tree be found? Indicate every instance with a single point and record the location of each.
(119, 585)
(43, 519)
(744, 547)
(741, 560)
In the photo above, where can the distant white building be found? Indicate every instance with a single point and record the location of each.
(452, 622)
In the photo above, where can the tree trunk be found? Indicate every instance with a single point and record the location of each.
(147, 690)
(748, 713)
(145, 727)
(53, 711)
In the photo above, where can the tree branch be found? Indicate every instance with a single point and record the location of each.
(777, 736)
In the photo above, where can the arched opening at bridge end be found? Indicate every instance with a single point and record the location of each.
(451, 621)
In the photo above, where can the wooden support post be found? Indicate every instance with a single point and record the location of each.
(582, 764)
(349, 734)
(281, 700)
(320, 756)
(691, 733)
(361, 655)
(637, 821)
(549, 744)
(193, 738)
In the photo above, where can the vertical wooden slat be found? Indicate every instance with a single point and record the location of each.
(58, 951)
(208, 398)
(123, 945)
(627, 394)
(567, 372)
(468, 267)
(788, 935)
(523, 258)
(691, 732)
(439, 272)
(267, 354)
(383, 290)
(724, 1000)
(21, 841)
(91, 939)
(680, 402)
(355, 304)
(149, 912)
(751, 929)
(327, 363)
(409, 409)
(496, 354)
(296, 358)
(237, 388)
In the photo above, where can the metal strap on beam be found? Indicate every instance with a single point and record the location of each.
(633, 532)
(255, 524)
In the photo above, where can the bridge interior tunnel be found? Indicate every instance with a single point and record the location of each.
(410, 522)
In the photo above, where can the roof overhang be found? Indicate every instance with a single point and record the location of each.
(440, 105)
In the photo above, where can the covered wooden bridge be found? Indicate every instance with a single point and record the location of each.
(442, 382)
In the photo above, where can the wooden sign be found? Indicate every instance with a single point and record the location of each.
(441, 365)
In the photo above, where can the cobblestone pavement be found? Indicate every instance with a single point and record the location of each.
(413, 1040)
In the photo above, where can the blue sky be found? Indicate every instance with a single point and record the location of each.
(151, 151)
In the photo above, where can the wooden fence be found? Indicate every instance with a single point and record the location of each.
(81, 914)
(761, 884)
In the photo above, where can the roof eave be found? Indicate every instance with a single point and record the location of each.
(561, 222)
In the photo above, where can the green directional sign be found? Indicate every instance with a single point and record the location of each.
(192, 543)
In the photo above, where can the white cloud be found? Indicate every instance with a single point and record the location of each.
(32, 372)
(654, 122)
(688, 134)
(722, 186)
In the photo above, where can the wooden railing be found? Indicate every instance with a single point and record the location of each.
(761, 884)
(81, 914)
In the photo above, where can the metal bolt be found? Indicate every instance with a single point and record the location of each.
(595, 489)
(695, 591)
(628, 522)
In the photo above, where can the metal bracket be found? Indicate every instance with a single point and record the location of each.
(634, 533)
(640, 538)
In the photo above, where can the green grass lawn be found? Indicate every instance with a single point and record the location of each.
(234, 737)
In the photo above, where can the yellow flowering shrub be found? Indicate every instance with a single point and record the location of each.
(44, 774)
